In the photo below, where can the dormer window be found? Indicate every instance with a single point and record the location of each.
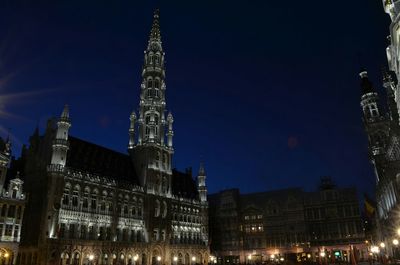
(14, 193)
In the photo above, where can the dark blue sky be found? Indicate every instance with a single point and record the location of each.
(266, 92)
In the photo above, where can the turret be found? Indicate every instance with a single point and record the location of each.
(132, 118)
(201, 183)
(60, 143)
(369, 98)
(170, 134)
(376, 124)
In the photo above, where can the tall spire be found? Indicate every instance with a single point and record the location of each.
(154, 148)
(155, 33)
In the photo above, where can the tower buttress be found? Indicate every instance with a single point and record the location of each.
(60, 143)
(201, 183)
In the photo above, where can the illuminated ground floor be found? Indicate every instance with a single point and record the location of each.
(105, 253)
(328, 254)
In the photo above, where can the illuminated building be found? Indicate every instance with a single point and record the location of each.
(92, 205)
(12, 205)
(289, 224)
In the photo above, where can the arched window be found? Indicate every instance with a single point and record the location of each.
(156, 60)
(165, 210)
(157, 209)
(164, 185)
(157, 83)
(65, 199)
(149, 83)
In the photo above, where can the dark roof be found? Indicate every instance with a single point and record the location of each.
(183, 185)
(277, 196)
(89, 157)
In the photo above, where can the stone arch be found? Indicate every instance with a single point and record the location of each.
(187, 258)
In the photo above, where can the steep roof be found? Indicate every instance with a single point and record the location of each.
(183, 185)
(89, 157)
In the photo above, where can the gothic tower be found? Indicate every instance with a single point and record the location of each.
(60, 144)
(152, 153)
(201, 183)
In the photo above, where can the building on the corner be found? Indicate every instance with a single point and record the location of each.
(12, 205)
(92, 205)
(382, 127)
(381, 124)
(289, 224)
(392, 8)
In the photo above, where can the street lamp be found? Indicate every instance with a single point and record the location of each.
(382, 245)
(322, 254)
(158, 259)
(91, 257)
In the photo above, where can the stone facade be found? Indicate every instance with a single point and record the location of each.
(288, 224)
(12, 205)
(91, 205)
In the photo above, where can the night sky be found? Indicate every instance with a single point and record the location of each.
(265, 92)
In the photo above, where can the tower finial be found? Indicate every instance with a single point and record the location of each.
(155, 33)
(202, 171)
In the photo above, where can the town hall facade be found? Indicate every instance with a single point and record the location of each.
(91, 205)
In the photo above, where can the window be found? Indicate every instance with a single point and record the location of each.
(65, 199)
(11, 211)
(4, 210)
(157, 84)
(61, 232)
(83, 231)
(14, 193)
(94, 202)
(156, 60)
(155, 235)
(8, 231)
(157, 209)
(150, 83)
(259, 216)
(246, 217)
(85, 203)
(16, 231)
(72, 230)
(163, 235)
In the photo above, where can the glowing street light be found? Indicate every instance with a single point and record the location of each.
(382, 245)
(175, 258)
(395, 242)
(322, 254)
(193, 259)
(375, 249)
(6, 255)
(272, 256)
(91, 257)
(249, 257)
(398, 231)
(135, 258)
(158, 258)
